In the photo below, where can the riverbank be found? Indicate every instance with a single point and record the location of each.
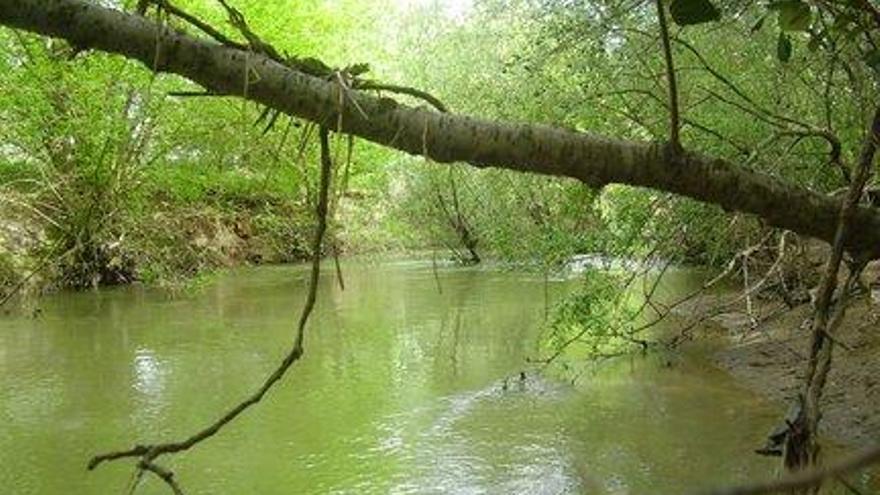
(770, 359)
(170, 243)
(172, 224)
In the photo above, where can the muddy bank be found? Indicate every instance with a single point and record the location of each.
(769, 358)
(166, 245)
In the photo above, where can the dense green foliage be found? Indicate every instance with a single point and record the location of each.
(596, 66)
(124, 182)
(111, 176)
(595, 321)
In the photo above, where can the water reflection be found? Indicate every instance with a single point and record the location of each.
(148, 382)
(147, 375)
(401, 391)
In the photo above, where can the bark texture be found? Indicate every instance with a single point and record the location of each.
(444, 137)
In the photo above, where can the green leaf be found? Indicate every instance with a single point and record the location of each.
(689, 12)
(794, 15)
(783, 47)
(872, 58)
(842, 22)
(759, 24)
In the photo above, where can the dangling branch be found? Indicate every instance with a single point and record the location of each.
(338, 266)
(338, 193)
(801, 447)
(191, 19)
(434, 269)
(674, 124)
(405, 90)
(149, 453)
(163, 474)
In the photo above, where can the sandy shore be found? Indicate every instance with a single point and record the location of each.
(770, 360)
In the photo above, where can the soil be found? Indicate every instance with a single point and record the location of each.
(770, 357)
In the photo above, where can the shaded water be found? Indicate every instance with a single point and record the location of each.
(401, 391)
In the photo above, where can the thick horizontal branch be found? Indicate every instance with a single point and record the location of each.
(444, 137)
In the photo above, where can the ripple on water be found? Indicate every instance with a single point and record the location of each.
(450, 445)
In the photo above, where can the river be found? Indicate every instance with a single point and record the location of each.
(401, 390)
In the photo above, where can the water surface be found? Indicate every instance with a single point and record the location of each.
(401, 391)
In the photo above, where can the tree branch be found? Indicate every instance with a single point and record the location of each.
(148, 453)
(198, 23)
(405, 90)
(674, 124)
(593, 159)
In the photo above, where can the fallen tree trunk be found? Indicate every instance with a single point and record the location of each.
(444, 137)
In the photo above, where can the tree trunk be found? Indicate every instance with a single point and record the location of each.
(444, 137)
(802, 447)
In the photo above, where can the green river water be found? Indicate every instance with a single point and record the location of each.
(400, 391)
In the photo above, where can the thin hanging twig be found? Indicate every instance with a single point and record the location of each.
(674, 124)
(149, 453)
(434, 269)
(339, 277)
